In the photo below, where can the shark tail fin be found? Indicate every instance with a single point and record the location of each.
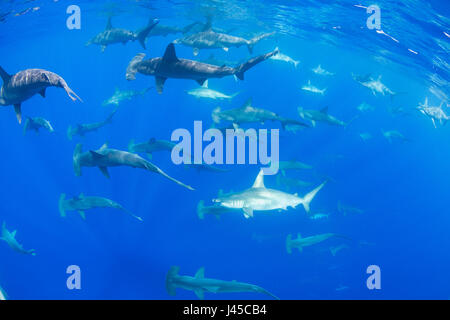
(306, 201)
(131, 69)
(289, 243)
(62, 212)
(241, 69)
(200, 210)
(351, 121)
(111, 115)
(170, 286)
(76, 163)
(142, 35)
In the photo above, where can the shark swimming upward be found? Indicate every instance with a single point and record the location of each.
(23, 85)
(260, 198)
(199, 284)
(170, 66)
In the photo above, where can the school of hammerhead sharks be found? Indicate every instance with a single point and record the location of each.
(21, 86)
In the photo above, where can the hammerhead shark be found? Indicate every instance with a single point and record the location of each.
(300, 242)
(170, 66)
(82, 129)
(36, 124)
(82, 203)
(114, 35)
(322, 116)
(23, 85)
(10, 239)
(260, 198)
(106, 157)
(199, 284)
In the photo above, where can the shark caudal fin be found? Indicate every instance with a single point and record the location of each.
(110, 117)
(289, 243)
(76, 155)
(201, 210)
(4, 75)
(69, 133)
(215, 115)
(241, 69)
(251, 43)
(170, 286)
(143, 34)
(131, 69)
(62, 211)
(306, 200)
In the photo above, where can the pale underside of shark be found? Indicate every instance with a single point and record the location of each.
(260, 198)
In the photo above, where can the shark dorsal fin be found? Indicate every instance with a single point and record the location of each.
(13, 234)
(109, 24)
(170, 55)
(299, 236)
(5, 76)
(205, 84)
(247, 103)
(103, 147)
(152, 140)
(259, 181)
(324, 109)
(200, 273)
(81, 196)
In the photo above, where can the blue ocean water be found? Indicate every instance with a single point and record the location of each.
(401, 187)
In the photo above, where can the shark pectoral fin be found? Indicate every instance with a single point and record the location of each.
(214, 289)
(42, 93)
(103, 48)
(248, 212)
(195, 51)
(313, 123)
(105, 172)
(18, 110)
(200, 294)
(13, 234)
(434, 122)
(160, 84)
(82, 214)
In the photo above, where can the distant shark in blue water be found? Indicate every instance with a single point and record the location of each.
(199, 284)
(114, 35)
(82, 203)
(260, 198)
(123, 95)
(106, 157)
(321, 115)
(36, 124)
(10, 239)
(436, 114)
(170, 66)
(82, 129)
(23, 85)
(309, 87)
(300, 242)
(150, 146)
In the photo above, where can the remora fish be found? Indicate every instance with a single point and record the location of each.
(259, 198)
(170, 66)
(309, 87)
(25, 84)
(10, 239)
(210, 39)
(114, 35)
(300, 242)
(82, 129)
(321, 115)
(36, 124)
(82, 203)
(434, 113)
(215, 210)
(199, 284)
(106, 157)
(122, 95)
(205, 92)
